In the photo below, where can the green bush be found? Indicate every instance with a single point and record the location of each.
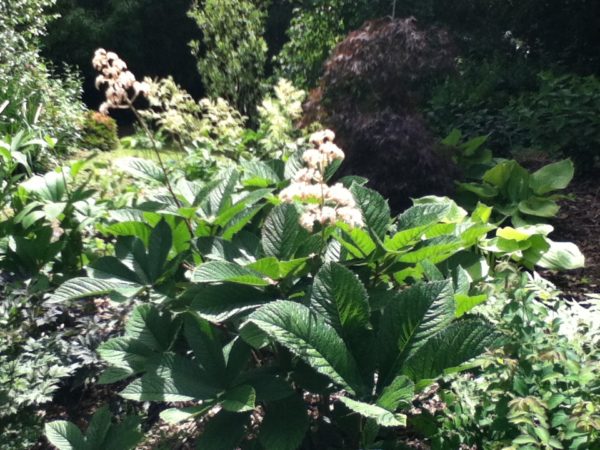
(233, 53)
(99, 132)
(541, 390)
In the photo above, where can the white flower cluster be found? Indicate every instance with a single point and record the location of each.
(322, 203)
(121, 86)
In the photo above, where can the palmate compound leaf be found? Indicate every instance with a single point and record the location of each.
(151, 327)
(285, 424)
(98, 428)
(223, 431)
(308, 336)
(460, 342)
(382, 416)
(175, 379)
(280, 232)
(340, 297)
(224, 271)
(410, 319)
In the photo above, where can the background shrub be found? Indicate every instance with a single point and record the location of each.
(370, 95)
(99, 132)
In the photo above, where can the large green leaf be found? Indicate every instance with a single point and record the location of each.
(555, 255)
(98, 429)
(341, 299)
(399, 393)
(374, 208)
(207, 348)
(239, 399)
(159, 245)
(217, 303)
(148, 326)
(382, 416)
(64, 435)
(460, 342)
(539, 207)
(141, 168)
(552, 177)
(176, 379)
(125, 435)
(410, 319)
(223, 431)
(83, 287)
(220, 271)
(280, 232)
(126, 357)
(423, 215)
(311, 338)
(285, 424)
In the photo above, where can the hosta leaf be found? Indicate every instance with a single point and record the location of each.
(450, 348)
(374, 208)
(285, 424)
(556, 256)
(217, 303)
(340, 298)
(176, 379)
(308, 336)
(539, 207)
(410, 319)
(223, 431)
(280, 232)
(239, 399)
(382, 416)
(552, 177)
(64, 435)
(220, 271)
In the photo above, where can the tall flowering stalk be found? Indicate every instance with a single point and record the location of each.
(121, 91)
(320, 202)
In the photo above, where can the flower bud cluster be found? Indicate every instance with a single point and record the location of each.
(321, 203)
(121, 86)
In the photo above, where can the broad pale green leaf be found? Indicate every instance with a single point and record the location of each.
(374, 208)
(239, 399)
(280, 232)
(356, 240)
(285, 424)
(556, 255)
(410, 319)
(217, 303)
(310, 337)
(552, 177)
(458, 343)
(223, 431)
(382, 416)
(465, 303)
(64, 435)
(399, 393)
(435, 250)
(220, 271)
(341, 299)
(539, 207)
(176, 379)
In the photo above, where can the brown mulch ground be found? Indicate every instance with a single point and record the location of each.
(579, 222)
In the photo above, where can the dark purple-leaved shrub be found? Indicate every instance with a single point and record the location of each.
(370, 95)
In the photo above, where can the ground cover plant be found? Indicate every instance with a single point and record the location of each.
(232, 274)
